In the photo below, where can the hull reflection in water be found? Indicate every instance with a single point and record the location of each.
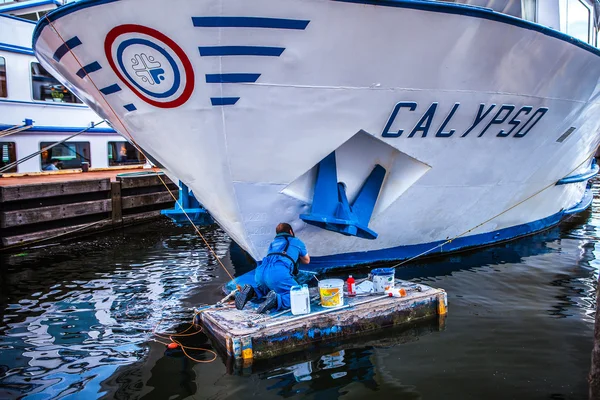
(324, 356)
(521, 324)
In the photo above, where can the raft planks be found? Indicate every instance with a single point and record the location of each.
(245, 332)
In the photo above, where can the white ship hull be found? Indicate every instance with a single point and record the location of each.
(468, 111)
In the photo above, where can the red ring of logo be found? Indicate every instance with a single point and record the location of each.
(187, 65)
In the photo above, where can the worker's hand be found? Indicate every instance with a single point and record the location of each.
(304, 259)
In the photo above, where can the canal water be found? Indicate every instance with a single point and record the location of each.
(77, 321)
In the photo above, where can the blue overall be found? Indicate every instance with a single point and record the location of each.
(276, 270)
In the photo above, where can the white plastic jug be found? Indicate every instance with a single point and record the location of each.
(300, 299)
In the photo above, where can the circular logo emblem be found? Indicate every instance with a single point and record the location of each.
(152, 65)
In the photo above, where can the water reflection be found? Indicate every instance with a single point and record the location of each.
(77, 320)
(68, 324)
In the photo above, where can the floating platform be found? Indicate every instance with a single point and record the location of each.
(246, 335)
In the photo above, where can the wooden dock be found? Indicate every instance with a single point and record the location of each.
(246, 335)
(58, 206)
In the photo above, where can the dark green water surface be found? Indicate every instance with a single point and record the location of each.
(76, 322)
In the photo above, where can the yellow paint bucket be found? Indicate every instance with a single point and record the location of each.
(332, 292)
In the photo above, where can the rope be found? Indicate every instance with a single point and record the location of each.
(141, 150)
(489, 219)
(184, 333)
(14, 129)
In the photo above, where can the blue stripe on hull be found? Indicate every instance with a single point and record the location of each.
(66, 47)
(249, 22)
(341, 261)
(581, 177)
(406, 252)
(329, 263)
(223, 51)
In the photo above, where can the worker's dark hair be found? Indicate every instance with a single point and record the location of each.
(284, 227)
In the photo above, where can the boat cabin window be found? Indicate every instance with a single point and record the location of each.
(124, 153)
(3, 91)
(65, 156)
(578, 20)
(46, 88)
(8, 154)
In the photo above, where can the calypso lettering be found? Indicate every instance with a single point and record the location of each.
(515, 122)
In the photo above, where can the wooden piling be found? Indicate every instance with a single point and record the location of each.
(115, 195)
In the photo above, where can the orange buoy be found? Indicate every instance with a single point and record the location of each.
(172, 346)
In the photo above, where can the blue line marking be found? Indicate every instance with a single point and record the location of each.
(44, 103)
(20, 6)
(223, 101)
(17, 18)
(61, 129)
(231, 78)
(88, 69)
(581, 177)
(249, 22)
(130, 107)
(13, 48)
(588, 197)
(65, 47)
(213, 51)
(110, 89)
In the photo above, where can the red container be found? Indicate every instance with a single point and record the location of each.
(351, 287)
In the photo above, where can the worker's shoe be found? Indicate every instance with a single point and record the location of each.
(241, 298)
(269, 303)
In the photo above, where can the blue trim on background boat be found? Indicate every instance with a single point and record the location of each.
(61, 129)
(114, 88)
(232, 78)
(17, 18)
(88, 69)
(223, 101)
(13, 48)
(249, 22)
(30, 4)
(588, 197)
(219, 51)
(66, 47)
(130, 107)
(580, 177)
(449, 8)
(44, 103)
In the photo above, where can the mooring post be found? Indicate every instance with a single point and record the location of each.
(594, 378)
(115, 195)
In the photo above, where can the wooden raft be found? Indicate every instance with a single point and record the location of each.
(247, 335)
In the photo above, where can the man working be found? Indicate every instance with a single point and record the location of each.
(274, 275)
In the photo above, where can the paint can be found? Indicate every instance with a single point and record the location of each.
(332, 292)
(382, 279)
